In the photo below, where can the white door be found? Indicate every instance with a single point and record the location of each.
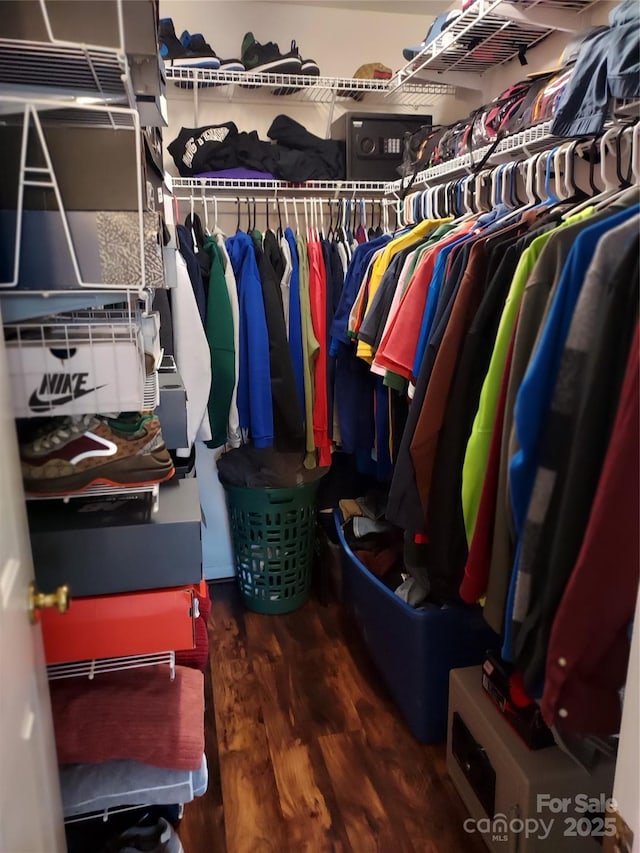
(30, 807)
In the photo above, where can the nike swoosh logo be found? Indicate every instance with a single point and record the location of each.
(37, 404)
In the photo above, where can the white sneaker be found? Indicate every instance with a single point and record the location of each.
(161, 838)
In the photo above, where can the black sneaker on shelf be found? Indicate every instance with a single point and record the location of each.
(308, 68)
(196, 44)
(174, 53)
(267, 59)
(170, 46)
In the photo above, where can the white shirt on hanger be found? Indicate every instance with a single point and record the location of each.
(192, 356)
(344, 258)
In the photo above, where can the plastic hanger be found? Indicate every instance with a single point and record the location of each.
(624, 181)
(607, 163)
(635, 153)
(468, 194)
(330, 232)
(505, 186)
(205, 211)
(238, 222)
(549, 176)
(306, 218)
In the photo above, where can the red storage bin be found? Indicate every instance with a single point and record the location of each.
(107, 626)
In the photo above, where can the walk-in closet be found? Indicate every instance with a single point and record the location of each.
(319, 388)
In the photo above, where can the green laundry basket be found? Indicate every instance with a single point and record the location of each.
(273, 532)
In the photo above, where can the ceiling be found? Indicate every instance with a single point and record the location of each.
(425, 8)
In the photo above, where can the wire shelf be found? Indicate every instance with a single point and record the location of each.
(490, 33)
(306, 87)
(153, 490)
(151, 392)
(44, 68)
(522, 142)
(227, 184)
(90, 668)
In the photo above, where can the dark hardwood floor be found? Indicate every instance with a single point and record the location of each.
(306, 751)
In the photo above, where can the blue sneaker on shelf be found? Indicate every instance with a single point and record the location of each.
(195, 44)
(175, 53)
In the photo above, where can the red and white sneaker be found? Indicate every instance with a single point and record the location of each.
(96, 450)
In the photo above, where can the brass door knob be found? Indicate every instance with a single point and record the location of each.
(38, 600)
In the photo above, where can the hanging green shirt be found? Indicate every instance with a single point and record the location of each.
(219, 332)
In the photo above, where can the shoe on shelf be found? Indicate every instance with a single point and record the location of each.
(168, 41)
(173, 51)
(91, 450)
(195, 43)
(161, 838)
(308, 68)
(267, 59)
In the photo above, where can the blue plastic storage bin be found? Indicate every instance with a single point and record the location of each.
(414, 650)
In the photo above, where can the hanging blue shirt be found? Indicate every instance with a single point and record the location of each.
(350, 288)
(255, 405)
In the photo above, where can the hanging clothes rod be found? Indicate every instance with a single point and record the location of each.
(230, 184)
(613, 157)
(198, 197)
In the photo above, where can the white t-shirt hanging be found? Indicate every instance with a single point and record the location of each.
(192, 356)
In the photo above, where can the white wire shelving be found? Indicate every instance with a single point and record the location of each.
(90, 668)
(212, 185)
(228, 84)
(488, 34)
(81, 72)
(153, 490)
(524, 142)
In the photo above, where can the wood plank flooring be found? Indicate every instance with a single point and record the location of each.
(306, 751)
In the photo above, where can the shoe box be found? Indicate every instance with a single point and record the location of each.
(108, 626)
(375, 143)
(172, 410)
(96, 23)
(509, 789)
(109, 546)
(75, 369)
(97, 177)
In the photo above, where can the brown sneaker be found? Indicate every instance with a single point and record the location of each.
(95, 450)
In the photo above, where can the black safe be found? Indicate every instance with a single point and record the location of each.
(375, 142)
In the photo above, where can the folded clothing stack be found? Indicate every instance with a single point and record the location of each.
(295, 155)
(130, 737)
(90, 788)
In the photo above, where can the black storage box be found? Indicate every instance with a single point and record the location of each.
(114, 546)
